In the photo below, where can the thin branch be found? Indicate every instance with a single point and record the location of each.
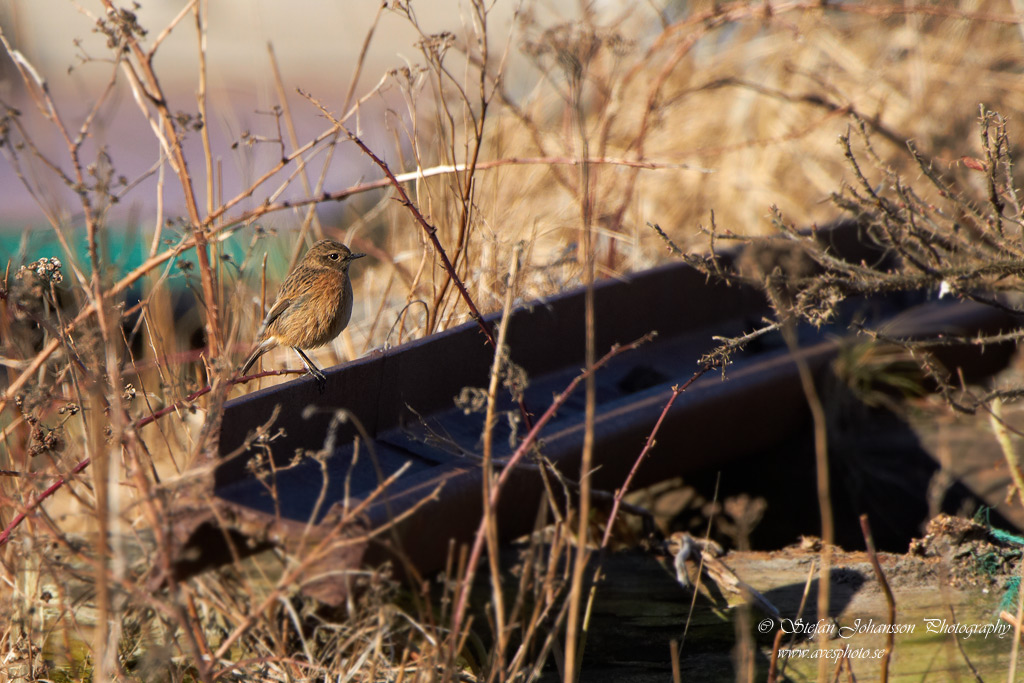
(431, 234)
(524, 447)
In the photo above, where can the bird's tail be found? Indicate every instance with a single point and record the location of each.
(261, 349)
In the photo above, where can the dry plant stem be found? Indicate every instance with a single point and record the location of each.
(524, 447)
(157, 259)
(621, 493)
(890, 637)
(105, 656)
(94, 290)
(474, 122)
(700, 566)
(575, 640)
(311, 218)
(960, 647)
(49, 111)
(138, 424)
(839, 665)
(361, 60)
(173, 407)
(89, 309)
(648, 446)
(799, 615)
(773, 665)
(491, 418)
(821, 465)
(550, 644)
(999, 427)
(1011, 675)
(429, 229)
(673, 646)
(154, 93)
(534, 129)
(737, 11)
(200, 12)
(311, 555)
(542, 594)
(654, 93)
(46, 493)
(101, 456)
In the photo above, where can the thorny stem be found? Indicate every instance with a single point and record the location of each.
(648, 446)
(431, 233)
(621, 493)
(5, 535)
(138, 424)
(527, 443)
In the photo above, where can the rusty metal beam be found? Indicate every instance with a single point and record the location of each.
(403, 397)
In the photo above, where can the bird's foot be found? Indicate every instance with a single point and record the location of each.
(321, 379)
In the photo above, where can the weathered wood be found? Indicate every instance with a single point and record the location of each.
(640, 608)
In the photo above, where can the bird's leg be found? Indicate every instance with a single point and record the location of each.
(321, 378)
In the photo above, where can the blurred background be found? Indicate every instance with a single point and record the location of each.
(687, 109)
(316, 47)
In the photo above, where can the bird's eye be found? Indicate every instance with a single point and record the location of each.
(335, 256)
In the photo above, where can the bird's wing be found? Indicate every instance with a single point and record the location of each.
(279, 307)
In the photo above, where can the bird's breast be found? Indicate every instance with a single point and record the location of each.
(317, 315)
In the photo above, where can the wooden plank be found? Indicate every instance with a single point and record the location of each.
(640, 608)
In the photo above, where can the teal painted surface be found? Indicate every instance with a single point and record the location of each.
(121, 251)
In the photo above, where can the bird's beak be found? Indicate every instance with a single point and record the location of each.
(352, 257)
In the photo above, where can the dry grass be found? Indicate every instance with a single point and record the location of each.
(635, 116)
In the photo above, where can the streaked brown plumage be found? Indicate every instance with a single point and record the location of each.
(313, 306)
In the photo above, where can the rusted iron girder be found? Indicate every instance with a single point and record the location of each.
(404, 400)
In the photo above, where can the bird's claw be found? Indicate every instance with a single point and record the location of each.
(321, 380)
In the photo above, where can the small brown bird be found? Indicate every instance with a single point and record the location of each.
(312, 308)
